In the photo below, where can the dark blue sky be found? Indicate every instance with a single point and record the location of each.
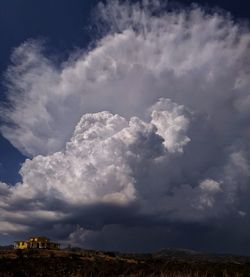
(63, 24)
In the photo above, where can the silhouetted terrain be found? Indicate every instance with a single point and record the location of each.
(6, 247)
(77, 262)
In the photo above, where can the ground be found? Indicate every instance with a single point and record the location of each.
(77, 262)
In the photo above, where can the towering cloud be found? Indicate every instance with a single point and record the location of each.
(146, 130)
(101, 161)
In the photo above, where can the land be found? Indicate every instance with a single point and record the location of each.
(78, 262)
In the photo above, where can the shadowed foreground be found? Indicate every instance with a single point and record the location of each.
(77, 262)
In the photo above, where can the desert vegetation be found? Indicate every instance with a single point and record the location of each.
(76, 263)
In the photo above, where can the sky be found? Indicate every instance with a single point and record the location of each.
(125, 125)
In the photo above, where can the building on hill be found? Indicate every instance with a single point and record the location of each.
(36, 243)
(21, 244)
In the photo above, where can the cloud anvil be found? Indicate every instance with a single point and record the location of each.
(153, 120)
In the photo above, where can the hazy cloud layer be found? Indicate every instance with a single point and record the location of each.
(148, 130)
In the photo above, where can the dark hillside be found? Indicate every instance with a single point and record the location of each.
(172, 263)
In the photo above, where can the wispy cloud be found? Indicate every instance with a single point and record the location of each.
(172, 144)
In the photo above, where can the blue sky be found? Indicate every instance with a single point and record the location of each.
(131, 122)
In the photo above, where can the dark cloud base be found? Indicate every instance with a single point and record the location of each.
(139, 142)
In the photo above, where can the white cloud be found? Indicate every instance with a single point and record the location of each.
(193, 58)
(154, 117)
(97, 163)
(171, 126)
(4, 189)
(210, 185)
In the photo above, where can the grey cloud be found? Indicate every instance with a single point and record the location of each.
(147, 132)
(198, 60)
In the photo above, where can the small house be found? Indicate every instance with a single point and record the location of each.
(37, 243)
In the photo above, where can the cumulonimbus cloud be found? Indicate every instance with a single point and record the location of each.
(98, 164)
(174, 140)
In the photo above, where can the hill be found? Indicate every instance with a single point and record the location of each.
(168, 262)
